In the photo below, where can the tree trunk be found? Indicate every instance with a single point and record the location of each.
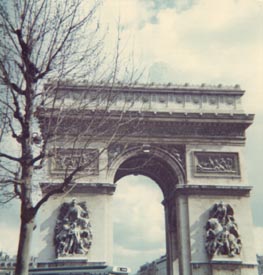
(23, 255)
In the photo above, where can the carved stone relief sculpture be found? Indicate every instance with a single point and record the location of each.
(73, 234)
(70, 159)
(217, 163)
(222, 237)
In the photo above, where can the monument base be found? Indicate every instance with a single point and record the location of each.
(232, 266)
(226, 260)
(224, 266)
(76, 267)
(72, 259)
(69, 266)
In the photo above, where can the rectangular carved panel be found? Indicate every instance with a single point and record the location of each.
(216, 164)
(66, 159)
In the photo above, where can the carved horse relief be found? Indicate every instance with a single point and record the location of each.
(73, 234)
(222, 237)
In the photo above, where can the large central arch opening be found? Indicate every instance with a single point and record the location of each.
(139, 223)
(164, 171)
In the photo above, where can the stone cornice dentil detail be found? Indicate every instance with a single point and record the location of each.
(151, 97)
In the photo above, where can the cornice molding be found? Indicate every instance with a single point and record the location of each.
(158, 115)
(148, 87)
(203, 189)
(156, 125)
(81, 187)
(225, 190)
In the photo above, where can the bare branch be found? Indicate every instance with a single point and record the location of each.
(2, 155)
(8, 200)
(57, 40)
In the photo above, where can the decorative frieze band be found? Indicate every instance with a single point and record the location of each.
(153, 99)
(182, 126)
(216, 164)
(67, 159)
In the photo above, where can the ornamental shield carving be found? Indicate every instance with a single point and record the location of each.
(222, 237)
(73, 234)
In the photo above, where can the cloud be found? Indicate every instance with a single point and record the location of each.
(137, 237)
(138, 203)
(9, 239)
(128, 14)
(136, 258)
(200, 45)
(139, 229)
(197, 44)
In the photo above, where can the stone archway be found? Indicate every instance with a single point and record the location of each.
(190, 141)
(166, 166)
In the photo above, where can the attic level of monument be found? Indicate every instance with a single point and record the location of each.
(157, 98)
(164, 111)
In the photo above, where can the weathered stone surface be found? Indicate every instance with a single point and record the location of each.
(188, 139)
(222, 236)
(73, 235)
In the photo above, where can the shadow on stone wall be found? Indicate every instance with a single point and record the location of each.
(47, 251)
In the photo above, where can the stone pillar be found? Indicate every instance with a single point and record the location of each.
(168, 240)
(171, 237)
(183, 234)
(97, 198)
(201, 201)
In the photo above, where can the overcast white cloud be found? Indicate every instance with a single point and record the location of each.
(9, 238)
(208, 42)
(141, 196)
(139, 231)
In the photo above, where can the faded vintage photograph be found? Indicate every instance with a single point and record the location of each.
(131, 137)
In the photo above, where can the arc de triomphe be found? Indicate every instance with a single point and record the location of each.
(190, 141)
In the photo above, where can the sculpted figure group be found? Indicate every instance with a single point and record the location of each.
(222, 237)
(73, 230)
(216, 164)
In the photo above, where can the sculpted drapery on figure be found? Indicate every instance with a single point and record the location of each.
(222, 237)
(73, 234)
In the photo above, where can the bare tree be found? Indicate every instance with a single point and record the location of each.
(42, 40)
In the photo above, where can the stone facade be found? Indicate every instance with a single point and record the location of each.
(98, 201)
(189, 140)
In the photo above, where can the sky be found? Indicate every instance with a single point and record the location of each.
(181, 41)
(139, 229)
